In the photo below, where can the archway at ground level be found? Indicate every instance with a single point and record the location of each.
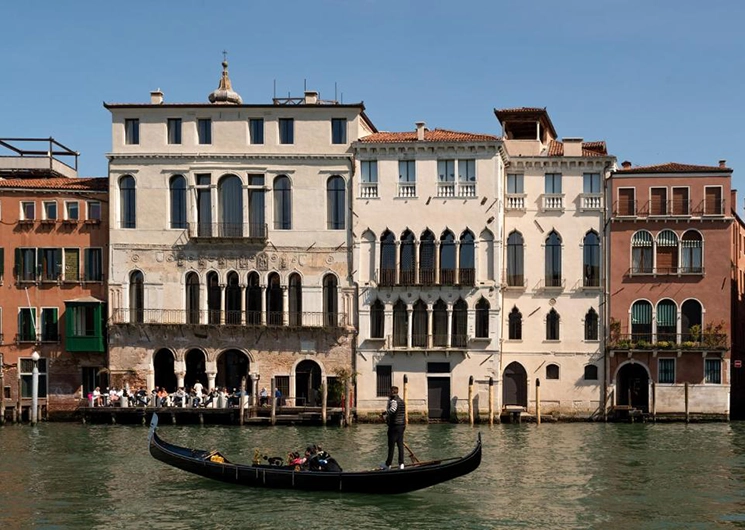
(163, 367)
(632, 386)
(232, 366)
(308, 383)
(515, 385)
(195, 368)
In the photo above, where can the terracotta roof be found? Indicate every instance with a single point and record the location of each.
(673, 167)
(556, 148)
(57, 183)
(436, 135)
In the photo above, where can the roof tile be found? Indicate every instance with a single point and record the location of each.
(556, 148)
(673, 167)
(436, 135)
(57, 183)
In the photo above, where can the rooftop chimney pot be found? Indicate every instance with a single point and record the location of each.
(626, 164)
(311, 97)
(722, 163)
(156, 97)
(572, 146)
(420, 130)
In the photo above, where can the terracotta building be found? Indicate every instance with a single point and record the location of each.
(737, 395)
(53, 247)
(669, 276)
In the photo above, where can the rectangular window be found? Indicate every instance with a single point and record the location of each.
(28, 211)
(591, 183)
(286, 131)
(174, 130)
(369, 179)
(466, 171)
(446, 170)
(93, 265)
(26, 264)
(438, 368)
(384, 380)
(49, 324)
(515, 183)
(72, 264)
(94, 210)
(72, 211)
(283, 385)
(50, 264)
(256, 206)
(713, 371)
(338, 130)
(27, 373)
(666, 371)
(256, 130)
(626, 202)
(553, 183)
(50, 211)
(658, 202)
(27, 324)
(681, 203)
(131, 131)
(83, 320)
(406, 178)
(204, 131)
(713, 203)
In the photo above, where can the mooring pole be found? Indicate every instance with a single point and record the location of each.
(348, 402)
(324, 399)
(537, 401)
(273, 387)
(654, 401)
(491, 401)
(242, 401)
(688, 417)
(470, 400)
(406, 399)
(2, 391)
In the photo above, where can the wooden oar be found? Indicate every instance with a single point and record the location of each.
(414, 459)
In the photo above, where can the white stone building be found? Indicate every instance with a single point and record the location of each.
(229, 242)
(553, 276)
(426, 232)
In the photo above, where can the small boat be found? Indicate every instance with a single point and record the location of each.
(212, 464)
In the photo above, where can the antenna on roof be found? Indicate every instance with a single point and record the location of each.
(342, 98)
(305, 85)
(274, 95)
(335, 94)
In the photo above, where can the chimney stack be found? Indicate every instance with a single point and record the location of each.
(156, 97)
(723, 164)
(572, 146)
(420, 130)
(626, 164)
(311, 97)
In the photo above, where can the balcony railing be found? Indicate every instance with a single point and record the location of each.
(216, 317)
(446, 189)
(369, 190)
(648, 341)
(515, 201)
(228, 230)
(407, 190)
(552, 202)
(390, 278)
(712, 207)
(514, 280)
(552, 283)
(466, 189)
(428, 342)
(669, 208)
(591, 201)
(467, 277)
(694, 270)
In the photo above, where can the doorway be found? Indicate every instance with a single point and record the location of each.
(308, 384)
(438, 398)
(633, 386)
(515, 386)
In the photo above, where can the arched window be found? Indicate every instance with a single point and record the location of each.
(552, 371)
(691, 319)
(667, 321)
(591, 260)
(330, 301)
(400, 325)
(387, 259)
(420, 328)
(377, 320)
(667, 252)
(467, 260)
(177, 187)
(591, 372)
(408, 258)
(427, 258)
(460, 324)
(282, 203)
(440, 324)
(233, 299)
(447, 258)
(274, 301)
(230, 206)
(486, 255)
(295, 300)
(641, 321)
(691, 253)
(482, 318)
(213, 298)
(552, 325)
(128, 202)
(192, 298)
(136, 297)
(335, 203)
(591, 325)
(641, 252)
(553, 260)
(515, 331)
(515, 263)
(253, 300)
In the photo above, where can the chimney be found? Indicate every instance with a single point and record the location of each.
(723, 164)
(156, 97)
(420, 130)
(626, 164)
(572, 146)
(311, 97)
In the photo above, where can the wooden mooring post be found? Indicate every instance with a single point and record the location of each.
(242, 402)
(347, 402)
(654, 401)
(406, 399)
(491, 401)
(470, 400)
(688, 414)
(324, 400)
(537, 401)
(2, 391)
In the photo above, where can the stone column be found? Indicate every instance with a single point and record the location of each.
(416, 262)
(430, 323)
(203, 307)
(243, 304)
(180, 379)
(211, 376)
(398, 262)
(437, 262)
(450, 325)
(457, 262)
(285, 306)
(388, 321)
(409, 328)
(263, 305)
(222, 304)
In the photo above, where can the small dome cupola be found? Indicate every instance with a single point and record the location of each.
(224, 95)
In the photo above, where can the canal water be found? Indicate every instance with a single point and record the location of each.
(554, 476)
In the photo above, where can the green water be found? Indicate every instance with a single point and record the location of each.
(552, 476)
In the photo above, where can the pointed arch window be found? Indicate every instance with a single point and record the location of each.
(282, 203)
(274, 301)
(377, 320)
(515, 331)
(128, 202)
(400, 325)
(591, 325)
(467, 260)
(230, 206)
(427, 258)
(233, 299)
(408, 258)
(667, 252)
(460, 324)
(667, 321)
(482, 318)
(440, 324)
(213, 298)
(420, 328)
(553, 260)
(447, 258)
(591, 260)
(253, 300)
(136, 297)
(387, 259)
(177, 189)
(691, 253)
(335, 203)
(641, 321)
(641, 252)
(330, 301)
(515, 263)
(552, 325)
(295, 300)
(192, 298)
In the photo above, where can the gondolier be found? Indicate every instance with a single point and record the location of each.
(395, 417)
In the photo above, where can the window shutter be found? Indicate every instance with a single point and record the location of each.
(17, 266)
(2, 262)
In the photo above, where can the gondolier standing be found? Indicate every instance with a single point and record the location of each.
(394, 415)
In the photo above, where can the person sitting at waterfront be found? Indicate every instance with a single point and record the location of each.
(162, 397)
(211, 396)
(234, 398)
(113, 396)
(179, 397)
(97, 401)
(196, 397)
(263, 397)
(141, 397)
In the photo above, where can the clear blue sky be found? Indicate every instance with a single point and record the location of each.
(658, 80)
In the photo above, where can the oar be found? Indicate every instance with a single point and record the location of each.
(413, 457)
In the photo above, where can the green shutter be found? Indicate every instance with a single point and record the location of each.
(2, 262)
(641, 313)
(17, 266)
(666, 314)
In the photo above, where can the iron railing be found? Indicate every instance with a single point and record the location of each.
(228, 230)
(669, 341)
(216, 317)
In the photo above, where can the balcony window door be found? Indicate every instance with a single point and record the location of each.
(400, 325)
(136, 297)
(467, 260)
(192, 298)
(295, 300)
(641, 252)
(387, 259)
(253, 300)
(440, 324)
(213, 298)
(377, 320)
(233, 300)
(408, 258)
(427, 258)
(667, 321)
(460, 324)
(330, 301)
(641, 321)
(515, 262)
(667, 252)
(591, 260)
(274, 301)
(420, 328)
(447, 258)
(553, 260)
(230, 206)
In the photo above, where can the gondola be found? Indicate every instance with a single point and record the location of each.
(212, 464)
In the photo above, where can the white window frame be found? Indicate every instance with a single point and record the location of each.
(368, 188)
(45, 211)
(68, 204)
(23, 216)
(88, 211)
(43, 375)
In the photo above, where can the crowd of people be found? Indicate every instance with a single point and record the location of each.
(195, 397)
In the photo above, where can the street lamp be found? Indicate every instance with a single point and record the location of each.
(35, 389)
